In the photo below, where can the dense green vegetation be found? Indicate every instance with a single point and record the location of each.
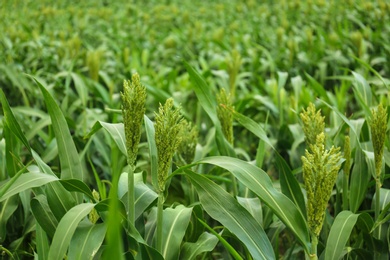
(242, 129)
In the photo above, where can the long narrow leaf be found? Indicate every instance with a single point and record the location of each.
(42, 242)
(149, 127)
(66, 229)
(289, 184)
(11, 121)
(224, 208)
(43, 214)
(209, 104)
(259, 182)
(69, 158)
(26, 181)
(339, 234)
(7, 208)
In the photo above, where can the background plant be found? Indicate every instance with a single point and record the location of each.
(62, 133)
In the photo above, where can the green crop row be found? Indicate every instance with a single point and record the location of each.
(194, 130)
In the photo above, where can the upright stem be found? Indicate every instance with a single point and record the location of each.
(314, 243)
(345, 192)
(377, 198)
(160, 204)
(130, 196)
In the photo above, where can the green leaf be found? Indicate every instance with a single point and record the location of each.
(253, 127)
(363, 93)
(360, 177)
(205, 243)
(144, 196)
(74, 185)
(43, 214)
(253, 206)
(203, 93)
(223, 241)
(149, 127)
(206, 99)
(66, 229)
(11, 121)
(175, 223)
(42, 242)
(7, 208)
(289, 184)
(70, 162)
(86, 241)
(81, 88)
(117, 132)
(224, 208)
(259, 182)
(59, 199)
(339, 234)
(12, 151)
(26, 181)
(318, 88)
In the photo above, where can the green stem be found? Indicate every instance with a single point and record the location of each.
(377, 202)
(314, 243)
(130, 196)
(160, 204)
(345, 191)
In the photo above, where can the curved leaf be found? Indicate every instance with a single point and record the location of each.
(77, 186)
(117, 132)
(224, 208)
(26, 181)
(205, 243)
(259, 182)
(339, 234)
(66, 229)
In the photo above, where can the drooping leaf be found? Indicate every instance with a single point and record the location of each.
(259, 182)
(205, 243)
(59, 199)
(26, 181)
(86, 241)
(66, 228)
(224, 208)
(74, 185)
(339, 234)
(117, 132)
